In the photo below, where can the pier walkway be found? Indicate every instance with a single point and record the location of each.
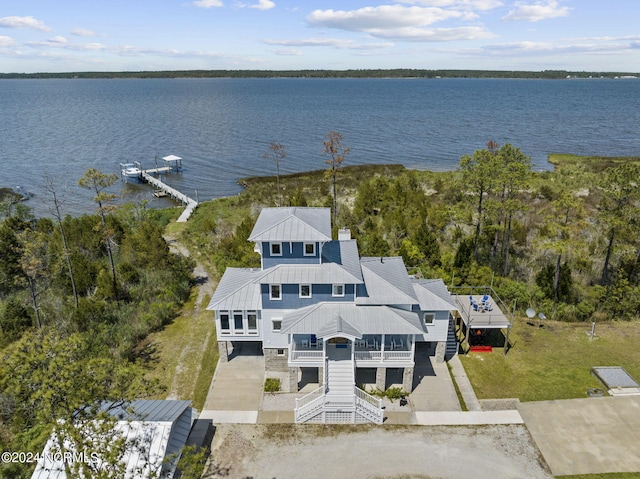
(190, 203)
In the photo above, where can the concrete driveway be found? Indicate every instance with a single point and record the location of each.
(586, 436)
(236, 390)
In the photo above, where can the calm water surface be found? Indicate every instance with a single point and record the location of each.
(222, 127)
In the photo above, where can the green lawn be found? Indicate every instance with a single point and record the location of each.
(553, 362)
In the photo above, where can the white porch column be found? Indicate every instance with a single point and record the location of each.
(382, 350)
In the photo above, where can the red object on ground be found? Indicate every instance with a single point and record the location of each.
(481, 349)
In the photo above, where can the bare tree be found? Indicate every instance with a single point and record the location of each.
(276, 153)
(51, 187)
(337, 152)
(99, 182)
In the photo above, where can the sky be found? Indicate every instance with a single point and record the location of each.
(137, 35)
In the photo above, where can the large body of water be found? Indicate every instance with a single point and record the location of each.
(222, 127)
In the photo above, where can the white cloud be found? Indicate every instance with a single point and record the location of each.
(329, 42)
(263, 5)
(461, 4)
(593, 46)
(384, 16)
(541, 10)
(24, 22)
(208, 3)
(82, 32)
(58, 39)
(6, 42)
(400, 22)
(288, 52)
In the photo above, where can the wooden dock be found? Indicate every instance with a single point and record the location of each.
(190, 204)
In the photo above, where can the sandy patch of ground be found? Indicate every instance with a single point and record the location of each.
(316, 451)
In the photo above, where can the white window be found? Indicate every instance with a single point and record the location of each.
(238, 322)
(305, 290)
(276, 325)
(429, 318)
(337, 290)
(280, 352)
(309, 249)
(252, 322)
(275, 291)
(276, 249)
(224, 322)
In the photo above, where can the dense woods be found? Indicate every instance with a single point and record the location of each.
(77, 295)
(566, 242)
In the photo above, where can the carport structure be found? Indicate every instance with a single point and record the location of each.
(481, 309)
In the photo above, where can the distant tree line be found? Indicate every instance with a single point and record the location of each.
(350, 73)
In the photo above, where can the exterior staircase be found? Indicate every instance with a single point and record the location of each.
(339, 401)
(340, 378)
(452, 342)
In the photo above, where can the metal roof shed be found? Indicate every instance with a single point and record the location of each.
(159, 428)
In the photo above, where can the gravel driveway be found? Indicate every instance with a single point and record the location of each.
(281, 451)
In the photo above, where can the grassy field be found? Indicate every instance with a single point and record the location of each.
(553, 362)
(590, 163)
(185, 353)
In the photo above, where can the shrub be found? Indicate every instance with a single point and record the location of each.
(271, 385)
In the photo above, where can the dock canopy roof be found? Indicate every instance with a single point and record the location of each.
(172, 158)
(293, 224)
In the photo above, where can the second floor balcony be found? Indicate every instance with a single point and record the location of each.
(375, 350)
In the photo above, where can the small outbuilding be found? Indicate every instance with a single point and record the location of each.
(158, 428)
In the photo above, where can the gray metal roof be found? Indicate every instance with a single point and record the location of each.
(386, 282)
(326, 273)
(292, 224)
(237, 289)
(157, 429)
(364, 319)
(344, 253)
(337, 325)
(153, 410)
(433, 295)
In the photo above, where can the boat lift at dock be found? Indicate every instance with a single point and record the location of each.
(172, 164)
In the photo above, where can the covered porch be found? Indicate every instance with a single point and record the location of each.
(367, 351)
(374, 336)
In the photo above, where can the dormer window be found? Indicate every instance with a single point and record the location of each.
(309, 249)
(276, 249)
(337, 290)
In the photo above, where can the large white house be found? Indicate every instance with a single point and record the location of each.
(315, 303)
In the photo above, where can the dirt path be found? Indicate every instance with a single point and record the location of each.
(205, 288)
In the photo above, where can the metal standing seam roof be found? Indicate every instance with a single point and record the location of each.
(365, 319)
(327, 273)
(433, 295)
(386, 281)
(237, 289)
(345, 253)
(161, 428)
(292, 224)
